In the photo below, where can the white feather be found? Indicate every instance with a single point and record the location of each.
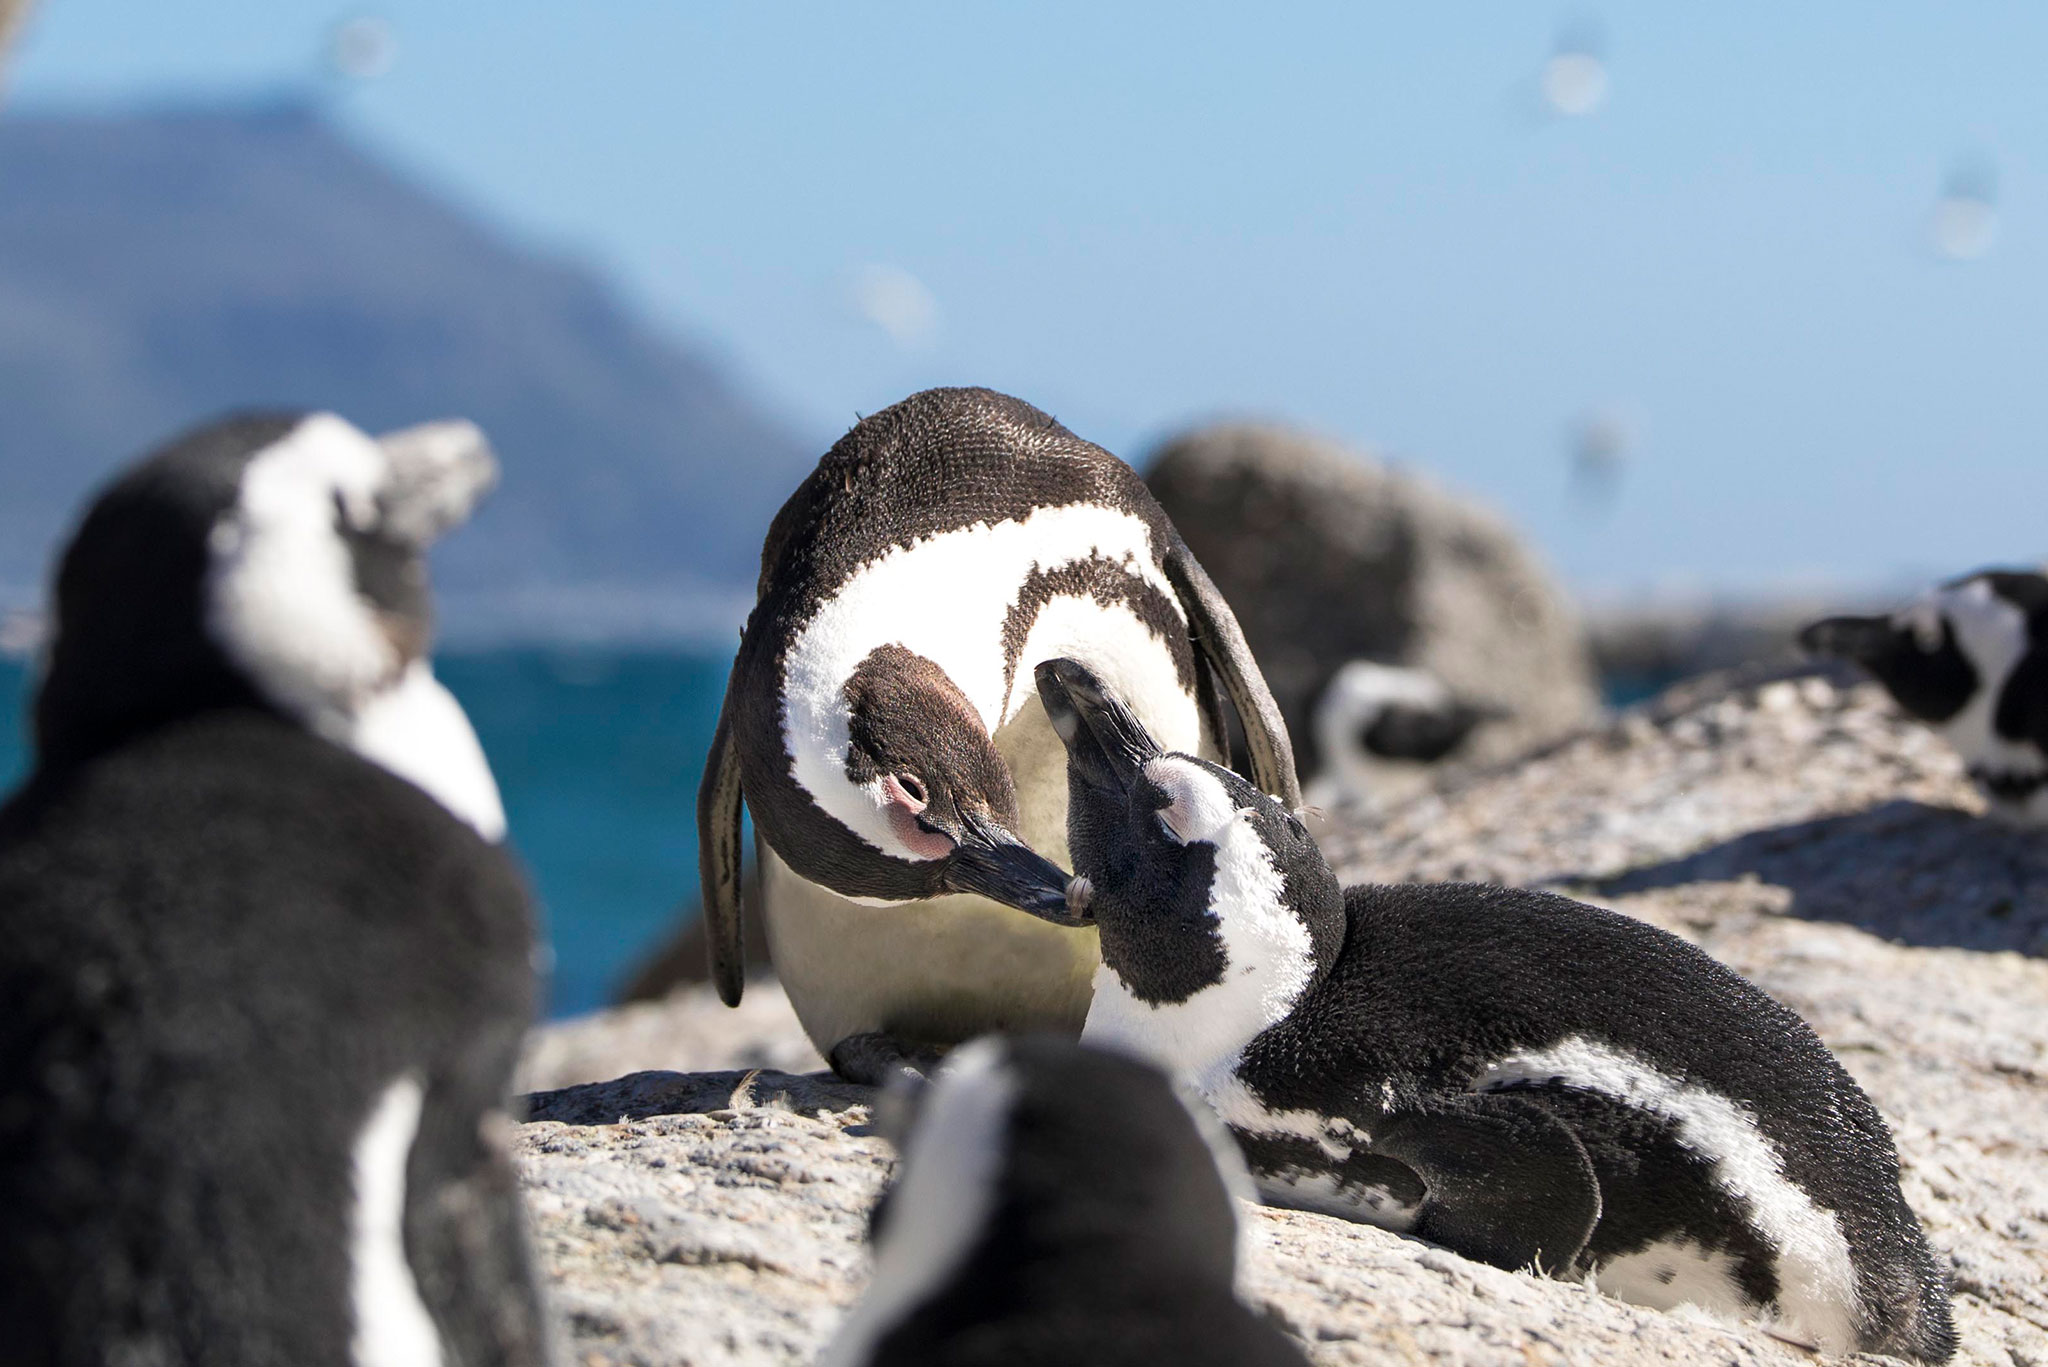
(392, 1325)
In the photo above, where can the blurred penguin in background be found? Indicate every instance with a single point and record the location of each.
(1058, 1204)
(1402, 628)
(1969, 658)
(266, 968)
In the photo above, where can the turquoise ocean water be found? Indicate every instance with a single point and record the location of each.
(598, 753)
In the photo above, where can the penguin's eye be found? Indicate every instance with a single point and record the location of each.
(913, 788)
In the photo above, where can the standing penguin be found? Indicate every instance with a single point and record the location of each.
(1057, 1204)
(1518, 1077)
(263, 995)
(881, 724)
(1969, 657)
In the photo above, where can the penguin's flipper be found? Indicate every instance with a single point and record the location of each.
(467, 1240)
(1509, 1183)
(719, 859)
(1219, 640)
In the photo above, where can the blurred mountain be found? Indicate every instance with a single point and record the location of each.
(157, 268)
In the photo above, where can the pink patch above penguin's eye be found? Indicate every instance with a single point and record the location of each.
(1197, 806)
(903, 799)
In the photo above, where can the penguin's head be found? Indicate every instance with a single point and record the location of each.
(1037, 1152)
(1934, 654)
(1371, 717)
(944, 803)
(270, 560)
(1199, 881)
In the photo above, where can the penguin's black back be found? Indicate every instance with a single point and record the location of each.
(219, 944)
(1435, 982)
(1111, 1241)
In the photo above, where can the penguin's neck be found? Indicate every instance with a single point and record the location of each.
(1268, 963)
(89, 701)
(417, 730)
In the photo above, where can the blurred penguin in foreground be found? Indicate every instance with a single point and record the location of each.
(1970, 658)
(263, 994)
(1057, 1204)
(1399, 627)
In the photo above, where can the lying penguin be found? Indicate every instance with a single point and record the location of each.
(263, 995)
(881, 725)
(1524, 1079)
(1379, 730)
(1057, 1204)
(1969, 657)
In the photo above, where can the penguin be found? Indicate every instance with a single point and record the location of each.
(1058, 1204)
(1378, 729)
(1526, 1080)
(880, 723)
(266, 978)
(1969, 657)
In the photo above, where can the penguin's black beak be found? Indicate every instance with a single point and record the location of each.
(1865, 640)
(989, 861)
(1106, 744)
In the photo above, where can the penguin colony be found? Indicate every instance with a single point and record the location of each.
(265, 969)
(267, 963)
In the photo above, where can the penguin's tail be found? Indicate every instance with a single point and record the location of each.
(1921, 1325)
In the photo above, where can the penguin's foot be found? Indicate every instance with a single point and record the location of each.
(876, 1060)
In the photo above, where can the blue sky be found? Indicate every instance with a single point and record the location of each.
(1360, 218)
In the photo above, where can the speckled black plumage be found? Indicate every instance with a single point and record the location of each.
(1435, 981)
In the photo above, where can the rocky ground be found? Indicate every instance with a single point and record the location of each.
(712, 1213)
